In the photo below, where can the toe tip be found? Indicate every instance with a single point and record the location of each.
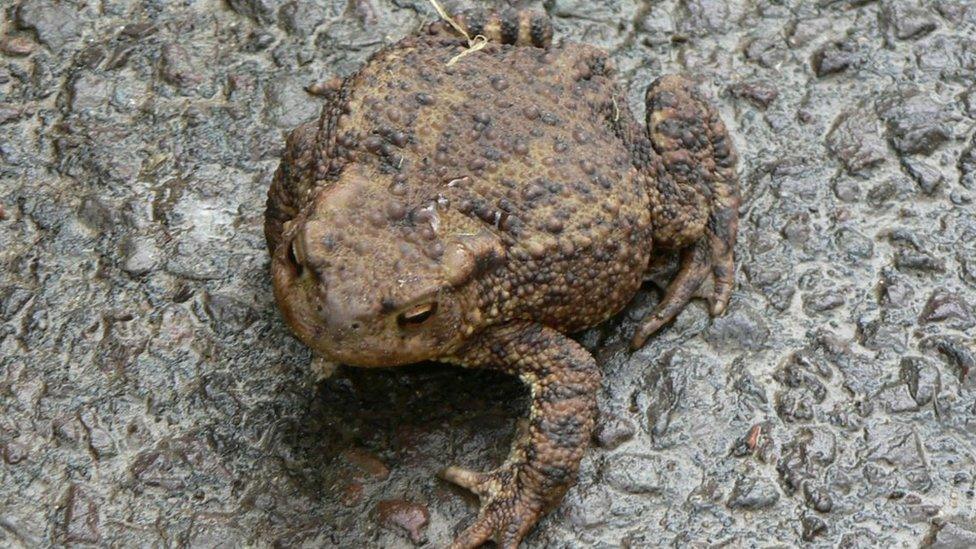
(718, 306)
(637, 342)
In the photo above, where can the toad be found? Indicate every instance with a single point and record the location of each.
(475, 210)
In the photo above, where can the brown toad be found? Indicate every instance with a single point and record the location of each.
(475, 213)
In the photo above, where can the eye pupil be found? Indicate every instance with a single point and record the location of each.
(417, 315)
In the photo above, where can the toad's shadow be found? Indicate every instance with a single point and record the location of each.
(409, 423)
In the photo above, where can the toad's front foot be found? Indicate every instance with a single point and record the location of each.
(509, 508)
(545, 457)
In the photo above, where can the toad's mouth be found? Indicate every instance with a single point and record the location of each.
(290, 261)
(291, 279)
(285, 267)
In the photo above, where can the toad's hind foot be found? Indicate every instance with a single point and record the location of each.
(712, 255)
(508, 511)
(697, 195)
(515, 27)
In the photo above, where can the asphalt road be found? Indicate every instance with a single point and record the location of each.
(151, 395)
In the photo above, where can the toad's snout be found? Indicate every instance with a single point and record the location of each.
(315, 310)
(347, 316)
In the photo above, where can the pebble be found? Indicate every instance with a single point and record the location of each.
(590, 506)
(823, 301)
(611, 431)
(760, 94)
(140, 255)
(287, 104)
(951, 533)
(702, 17)
(812, 527)
(367, 465)
(89, 92)
(262, 11)
(300, 18)
(928, 177)
(943, 306)
(967, 166)
(912, 260)
(56, 23)
(907, 22)
(635, 473)
(13, 452)
(752, 494)
(177, 67)
(80, 518)
(855, 139)
(834, 58)
(16, 46)
(916, 122)
(411, 518)
(818, 498)
(740, 328)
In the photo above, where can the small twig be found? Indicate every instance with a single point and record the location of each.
(477, 44)
(444, 15)
(474, 44)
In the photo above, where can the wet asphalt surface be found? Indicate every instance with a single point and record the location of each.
(150, 394)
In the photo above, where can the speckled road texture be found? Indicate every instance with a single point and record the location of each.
(150, 392)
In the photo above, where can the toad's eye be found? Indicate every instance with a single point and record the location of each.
(415, 316)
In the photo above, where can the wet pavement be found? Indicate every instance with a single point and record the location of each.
(150, 394)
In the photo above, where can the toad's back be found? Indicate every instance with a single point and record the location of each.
(527, 142)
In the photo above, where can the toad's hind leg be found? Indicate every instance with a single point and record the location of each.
(515, 27)
(563, 378)
(696, 198)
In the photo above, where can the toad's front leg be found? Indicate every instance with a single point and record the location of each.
(542, 465)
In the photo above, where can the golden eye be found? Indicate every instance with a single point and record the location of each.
(416, 316)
